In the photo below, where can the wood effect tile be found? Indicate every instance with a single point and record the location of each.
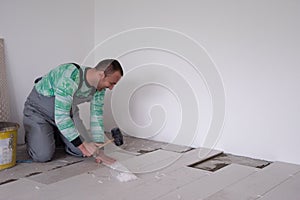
(287, 190)
(208, 185)
(20, 188)
(258, 183)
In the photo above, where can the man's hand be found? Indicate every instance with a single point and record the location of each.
(89, 148)
(101, 157)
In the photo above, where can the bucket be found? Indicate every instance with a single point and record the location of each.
(8, 144)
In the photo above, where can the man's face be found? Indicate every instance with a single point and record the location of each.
(109, 81)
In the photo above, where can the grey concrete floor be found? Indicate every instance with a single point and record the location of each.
(163, 172)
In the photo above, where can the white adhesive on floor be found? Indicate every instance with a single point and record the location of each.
(125, 177)
(121, 173)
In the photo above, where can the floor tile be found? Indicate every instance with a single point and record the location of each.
(258, 183)
(208, 185)
(19, 189)
(151, 161)
(287, 190)
(161, 184)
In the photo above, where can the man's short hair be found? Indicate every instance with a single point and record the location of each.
(109, 66)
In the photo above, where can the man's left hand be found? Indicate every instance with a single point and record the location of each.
(101, 157)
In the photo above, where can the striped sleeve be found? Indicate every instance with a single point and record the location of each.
(96, 121)
(65, 89)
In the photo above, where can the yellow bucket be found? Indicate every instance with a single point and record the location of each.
(8, 144)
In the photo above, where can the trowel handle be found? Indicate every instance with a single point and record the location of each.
(105, 143)
(102, 145)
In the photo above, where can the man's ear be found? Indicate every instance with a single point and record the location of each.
(102, 75)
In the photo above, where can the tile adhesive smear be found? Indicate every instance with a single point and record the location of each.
(120, 172)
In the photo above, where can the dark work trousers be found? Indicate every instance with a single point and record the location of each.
(41, 130)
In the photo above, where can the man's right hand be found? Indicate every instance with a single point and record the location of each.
(88, 148)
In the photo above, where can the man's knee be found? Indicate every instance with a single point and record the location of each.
(40, 156)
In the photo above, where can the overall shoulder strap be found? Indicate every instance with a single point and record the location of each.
(78, 66)
(81, 74)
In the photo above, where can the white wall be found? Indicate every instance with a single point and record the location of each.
(40, 35)
(254, 46)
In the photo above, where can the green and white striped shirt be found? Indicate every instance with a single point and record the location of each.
(69, 87)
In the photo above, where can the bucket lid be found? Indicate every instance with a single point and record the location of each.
(8, 126)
